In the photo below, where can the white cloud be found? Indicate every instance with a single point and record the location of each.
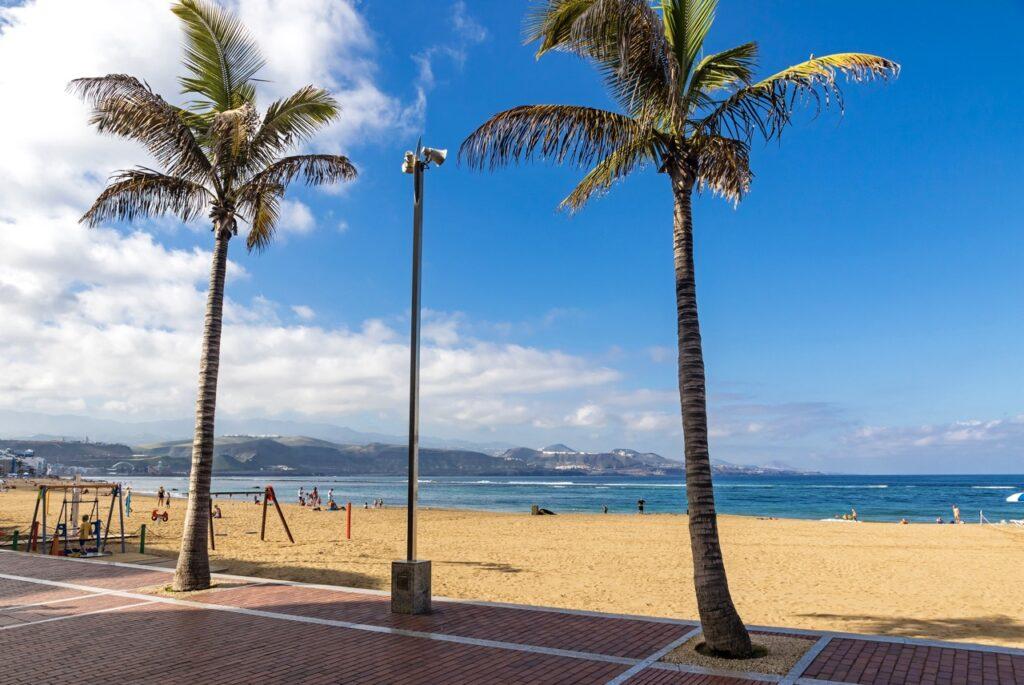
(104, 323)
(52, 160)
(295, 218)
(304, 312)
(589, 415)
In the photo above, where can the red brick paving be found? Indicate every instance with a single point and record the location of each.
(634, 639)
(172, 643)
(889, 663)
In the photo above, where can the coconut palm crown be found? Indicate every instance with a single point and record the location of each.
(693, 117)
(216, 155)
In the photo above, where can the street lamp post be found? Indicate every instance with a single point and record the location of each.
(410, 579)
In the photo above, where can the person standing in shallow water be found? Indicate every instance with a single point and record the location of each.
(640, 505)
(956, 514)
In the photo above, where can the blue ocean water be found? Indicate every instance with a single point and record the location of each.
(876, 498)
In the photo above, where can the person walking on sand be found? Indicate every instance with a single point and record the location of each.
(640, 505)
(956, 514)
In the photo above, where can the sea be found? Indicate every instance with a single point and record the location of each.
(919, 499)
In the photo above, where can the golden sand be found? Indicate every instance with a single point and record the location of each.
(929, 581)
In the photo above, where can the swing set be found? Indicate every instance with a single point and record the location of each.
(70, 519)
(268, 496)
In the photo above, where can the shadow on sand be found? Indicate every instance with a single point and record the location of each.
(994, 627)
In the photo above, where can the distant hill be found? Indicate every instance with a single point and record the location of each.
(303, 455)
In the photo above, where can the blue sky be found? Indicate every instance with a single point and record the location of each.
(861, 308)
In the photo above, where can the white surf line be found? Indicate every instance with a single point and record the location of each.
(64, 618)
(440, 637)
(626, 675)
(19, 607)
(805, 661)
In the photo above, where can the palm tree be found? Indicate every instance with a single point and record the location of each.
(693, 117)
(216, 154)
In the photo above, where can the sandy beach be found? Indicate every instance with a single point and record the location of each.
(928, 581)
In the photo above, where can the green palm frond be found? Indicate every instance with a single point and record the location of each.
(291, 121)
(220, 55)
(730, 68)
(767, 107)
(722, 165)
(144, 193)
(124, 106)
(686, 25)
(624, 41)
(617, 165)
(556, 133)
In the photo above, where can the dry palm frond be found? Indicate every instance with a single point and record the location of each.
(625, 41)
(265, 210)
(315, 170)
(557, 133)
(722, 165)
(124, 106)
(143, 192)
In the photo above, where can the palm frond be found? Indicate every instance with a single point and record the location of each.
(292, 120)
(314, 170)
(767, 107)
(686, 24)
(555, 133)
(624, 40)
(617, 165)
(143, 193)
(264, 206)
(730, 68)
(722, 165)
(220, 55)
(124, 106)
(229, 136)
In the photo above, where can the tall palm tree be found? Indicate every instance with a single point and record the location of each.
(693, 117)
(216, 154)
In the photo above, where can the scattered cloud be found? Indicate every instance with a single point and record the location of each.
(304, 312)
(295, 218)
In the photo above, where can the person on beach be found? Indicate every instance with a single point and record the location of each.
(640, 505)
(330, 494)
(216, 512)
(128, 502)
(956, 514)
(853, 514)
(605, 509)
(160, 496)
(302, 494)
(938, 519)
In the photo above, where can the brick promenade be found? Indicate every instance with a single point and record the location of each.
(89, 622)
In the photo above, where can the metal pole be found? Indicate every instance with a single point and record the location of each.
(414, 361)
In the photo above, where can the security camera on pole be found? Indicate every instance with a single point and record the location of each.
(410, 579)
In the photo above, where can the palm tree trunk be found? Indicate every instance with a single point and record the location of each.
(724, 632)
(193, 570)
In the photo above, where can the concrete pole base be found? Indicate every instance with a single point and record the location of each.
(410, 587)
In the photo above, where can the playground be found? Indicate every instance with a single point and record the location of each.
(917, 581)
